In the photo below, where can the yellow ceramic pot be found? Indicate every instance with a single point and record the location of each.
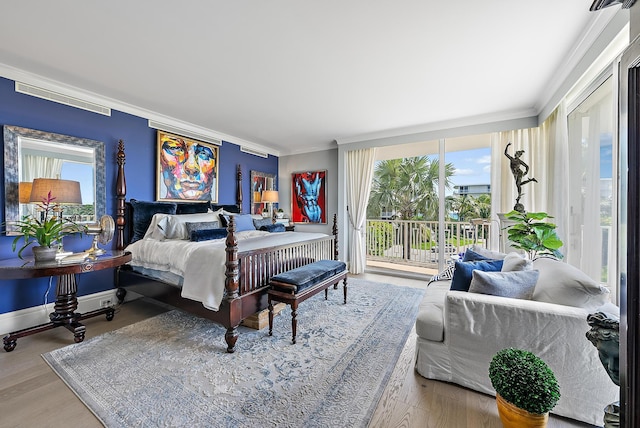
(515, 417)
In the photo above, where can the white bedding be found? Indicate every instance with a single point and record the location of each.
(201, 264)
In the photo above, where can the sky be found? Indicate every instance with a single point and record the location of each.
(83, 173)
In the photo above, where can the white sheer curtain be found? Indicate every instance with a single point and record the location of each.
(360, 165)
(40, 167)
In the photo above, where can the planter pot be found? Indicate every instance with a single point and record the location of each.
(515, 417)
(44, 254)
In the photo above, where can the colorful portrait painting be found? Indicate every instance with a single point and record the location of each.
(308, 197)
(187, 169)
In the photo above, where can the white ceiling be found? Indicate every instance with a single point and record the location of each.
(297, 75)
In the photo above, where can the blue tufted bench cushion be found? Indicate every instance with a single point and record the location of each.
(309, 275)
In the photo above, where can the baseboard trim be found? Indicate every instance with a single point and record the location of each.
(29, 317)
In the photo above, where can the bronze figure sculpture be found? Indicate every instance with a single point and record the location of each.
(519, 169)
(605, 335)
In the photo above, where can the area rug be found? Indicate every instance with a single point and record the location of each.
(172, 370)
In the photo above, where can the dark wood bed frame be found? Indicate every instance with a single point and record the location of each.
(247, 273)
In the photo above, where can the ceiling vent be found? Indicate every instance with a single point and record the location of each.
(253, 152)
(56, 97)
(183, 132)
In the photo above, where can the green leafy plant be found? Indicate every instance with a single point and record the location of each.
(524, 380)
(46, 231)
(533, 235)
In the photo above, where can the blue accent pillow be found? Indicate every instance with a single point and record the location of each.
(143, 213)
(224, 220)
(273, 227)
(208, 234)
(258, 223)
(464, 272)
(243, 222)
(192, 207)
(470, 256)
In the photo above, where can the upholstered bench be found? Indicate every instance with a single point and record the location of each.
(297, 285)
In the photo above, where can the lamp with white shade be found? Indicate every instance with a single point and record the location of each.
(270, 197)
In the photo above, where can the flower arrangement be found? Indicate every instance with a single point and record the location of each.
(46, 231)
(524, 380)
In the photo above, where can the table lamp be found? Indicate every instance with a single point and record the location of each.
(270, 196)
(65, 192)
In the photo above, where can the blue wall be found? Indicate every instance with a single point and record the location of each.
(140, 147)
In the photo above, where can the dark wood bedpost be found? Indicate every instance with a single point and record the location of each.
(231, 286)
(239, 188)
(121, 193)
(335, 237)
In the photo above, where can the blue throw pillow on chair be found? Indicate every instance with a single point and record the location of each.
(463, 272)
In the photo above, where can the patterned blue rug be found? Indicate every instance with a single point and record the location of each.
(172, 370)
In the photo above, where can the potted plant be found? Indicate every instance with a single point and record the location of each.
(280, 213)
(529, 232)
(526, 388)
(47, 231)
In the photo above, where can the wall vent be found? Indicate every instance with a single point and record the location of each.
(56, 97)
(253, 152)
(183, 132)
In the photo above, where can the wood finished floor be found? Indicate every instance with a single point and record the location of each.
(32, 395)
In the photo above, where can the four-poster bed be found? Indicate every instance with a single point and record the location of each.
(246, 273)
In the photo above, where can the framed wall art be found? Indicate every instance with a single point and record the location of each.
(260, 181)
(308, 197)
(187, 169)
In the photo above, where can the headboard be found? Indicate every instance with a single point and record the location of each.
(134, 217)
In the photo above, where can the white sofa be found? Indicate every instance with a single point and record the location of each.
(459, 332)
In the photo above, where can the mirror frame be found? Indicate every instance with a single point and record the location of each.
(12, 135)
(267, 177)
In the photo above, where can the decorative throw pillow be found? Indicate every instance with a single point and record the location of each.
(208, 234)
(564, 284)
(243, 222)
(201, 225)
(480, 253)
(174, 226)
(258, 223)
(143, 213)
(277, 227)
(516, 284)
(464, 270)
(515, 262)
(447, 273)
(192, 207)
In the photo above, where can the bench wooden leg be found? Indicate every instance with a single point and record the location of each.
(270, 317)
(294, 322)
(345, 289)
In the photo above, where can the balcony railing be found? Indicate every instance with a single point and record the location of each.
(416, 242)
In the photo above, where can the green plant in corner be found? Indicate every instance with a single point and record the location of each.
(524, 380)
(46, 231)
(534, 235)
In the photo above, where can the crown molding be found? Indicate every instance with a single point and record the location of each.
(23, 76)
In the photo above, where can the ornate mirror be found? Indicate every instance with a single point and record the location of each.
(30, 154)
(260, 181)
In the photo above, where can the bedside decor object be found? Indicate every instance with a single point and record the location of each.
(280, 213)
(269, 197)
(526, 388)
(529, 232)
(308, 197)
(46, 231)
(102, 233)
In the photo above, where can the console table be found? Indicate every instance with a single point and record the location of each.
(66, 291)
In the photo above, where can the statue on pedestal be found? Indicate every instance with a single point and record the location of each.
(519, 169)
(605, 335)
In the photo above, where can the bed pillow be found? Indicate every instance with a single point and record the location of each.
(208, 234)
(201, 225)
(476, 252)
(143, 212)
(243, 222)
(277, 227)
(192, 207)
(258, 223)
(564, 284)
(464, 271)
(515, 284)
(516, 262)
(174, 226)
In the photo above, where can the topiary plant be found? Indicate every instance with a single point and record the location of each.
(524, 380)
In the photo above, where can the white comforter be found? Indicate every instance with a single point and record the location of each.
(201, 264)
